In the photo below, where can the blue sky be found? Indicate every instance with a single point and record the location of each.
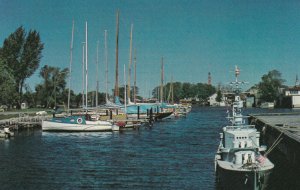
(194, 37)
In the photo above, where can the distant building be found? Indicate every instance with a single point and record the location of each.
(297, 81)
(24, 105)
(294, 95)
(250, 102)
(212, 100)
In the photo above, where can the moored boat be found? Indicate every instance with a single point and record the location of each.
(77, 124)
(239, 161)
(267, 105)
(162, 115)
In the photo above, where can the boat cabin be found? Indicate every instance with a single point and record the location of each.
(239, 138)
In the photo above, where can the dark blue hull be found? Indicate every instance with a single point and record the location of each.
(242, 179)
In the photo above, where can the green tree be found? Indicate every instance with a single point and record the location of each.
(219, 96)
(178, 92)
(63, 97)
(269, 86)
(136, 91)
(51, 91)
(187, 90)
(122, 92)
(92, 98)
(205, 90)
(78, 100)
(22, 53)
(7, 83)
(29, 96)
(155, 92)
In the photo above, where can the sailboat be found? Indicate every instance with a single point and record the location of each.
(78, 123)
(162, 113)
(131, 108)
(239, 161)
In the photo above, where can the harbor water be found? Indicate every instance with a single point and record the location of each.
(174, 154)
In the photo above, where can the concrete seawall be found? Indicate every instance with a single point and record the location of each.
(287, 126)
(286, 155)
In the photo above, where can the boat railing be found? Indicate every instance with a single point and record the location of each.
(240, 127)
(237, 116)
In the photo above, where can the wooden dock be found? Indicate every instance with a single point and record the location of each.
(23, 121)
(284, 127)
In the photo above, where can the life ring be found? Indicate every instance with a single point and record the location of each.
(79, 120)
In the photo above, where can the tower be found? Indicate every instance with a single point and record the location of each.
(209, 79)
(297, 81)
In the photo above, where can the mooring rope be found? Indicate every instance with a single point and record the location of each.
(276, 142)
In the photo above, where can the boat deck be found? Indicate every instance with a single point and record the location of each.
(267, 165)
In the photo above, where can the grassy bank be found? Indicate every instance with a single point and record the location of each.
(16, 113)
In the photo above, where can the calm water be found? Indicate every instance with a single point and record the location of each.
(175, 154)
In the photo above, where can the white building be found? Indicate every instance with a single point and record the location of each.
(294, 93)
(24, 105)
(212, 100)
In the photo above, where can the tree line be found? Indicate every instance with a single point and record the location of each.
(184, 90)
(20, 57)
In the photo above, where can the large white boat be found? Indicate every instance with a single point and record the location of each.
(77, 124)
(239, 161)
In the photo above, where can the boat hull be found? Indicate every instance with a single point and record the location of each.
(242, 179)
(162, 115)
(56, 126)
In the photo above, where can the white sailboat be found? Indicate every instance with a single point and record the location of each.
(78, 123)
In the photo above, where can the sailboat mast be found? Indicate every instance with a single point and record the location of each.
(134, 89)
(172, 92)
(106, 69)
(117, 58)
(70, 66)
(130, 62)
(125, 89)
(97, 77)
(86, 64)
(83, 74)
(162, 80)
